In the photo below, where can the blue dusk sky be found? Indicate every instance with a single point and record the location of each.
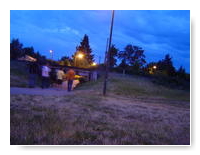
(158, 32)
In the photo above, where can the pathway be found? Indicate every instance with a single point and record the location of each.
(38, 91)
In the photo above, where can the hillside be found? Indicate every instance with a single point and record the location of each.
(118, 84)
(134, 112)
(131, 86)
(18, 74)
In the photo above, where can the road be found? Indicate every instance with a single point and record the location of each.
(39, 91)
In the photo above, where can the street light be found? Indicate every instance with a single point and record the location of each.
(154, 67)
(51, 52)
(79, 56)
(94, 64)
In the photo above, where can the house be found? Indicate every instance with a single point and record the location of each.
(27, 58)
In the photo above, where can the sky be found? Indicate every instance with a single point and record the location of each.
(158, 32)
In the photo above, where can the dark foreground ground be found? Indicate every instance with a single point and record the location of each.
(134, 112)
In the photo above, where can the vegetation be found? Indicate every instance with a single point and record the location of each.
(133, 58)
(113, 56)
(18, 74)
(137, 86)
(165, 66)
(84, 48)
(135, 112)
(17, 51)
(149, 105)
(65, 61)
(132, 62)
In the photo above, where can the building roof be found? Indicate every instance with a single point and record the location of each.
(27, 58)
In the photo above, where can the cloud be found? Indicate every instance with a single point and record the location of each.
(157, 32)
(64, 30)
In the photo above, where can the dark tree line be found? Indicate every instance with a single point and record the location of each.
(165, 67)
(132, 59)
(17, 51)
(133, 62)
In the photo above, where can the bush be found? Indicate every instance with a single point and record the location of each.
(172, 82)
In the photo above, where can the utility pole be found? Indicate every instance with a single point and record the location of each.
(106, 51)
(108, 56)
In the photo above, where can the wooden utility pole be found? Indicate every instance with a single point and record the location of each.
(108, 56)
(106, 52)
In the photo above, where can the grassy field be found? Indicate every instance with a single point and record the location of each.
(18, 74)
(136, 86)
(134, 112)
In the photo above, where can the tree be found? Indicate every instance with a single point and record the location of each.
(82, 61)
(16, 49)
(84, 47)
(29, 51)
(181, 73)
(151, 68)
(66, 61)
(123, 66)
(37, 55)
(112, 57)
(166, 66)
(133, 56)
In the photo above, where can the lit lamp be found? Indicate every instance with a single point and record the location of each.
(51, 52)
(79, 56)
(154, 67)
(94, 64)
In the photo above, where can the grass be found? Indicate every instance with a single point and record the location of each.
(132, 86)
(134, 112)
(18, 74)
